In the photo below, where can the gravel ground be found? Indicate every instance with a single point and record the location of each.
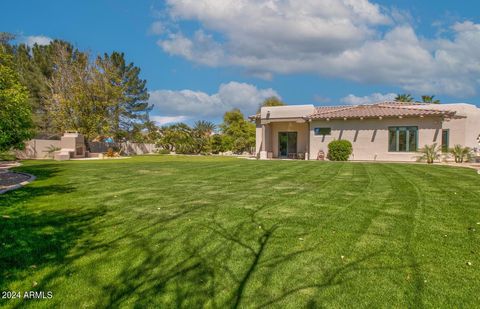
(9, 179)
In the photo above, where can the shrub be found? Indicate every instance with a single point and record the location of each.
(110, 153)
(163, 151)
(430, 153)
(461, 153)
(217, 143)
(7, 156)
(339, 150)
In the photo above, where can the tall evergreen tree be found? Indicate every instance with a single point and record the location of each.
(131, 104)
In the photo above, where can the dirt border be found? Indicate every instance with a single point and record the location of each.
(18, 185)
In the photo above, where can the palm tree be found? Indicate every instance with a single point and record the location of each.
(429, 99)
(460, 153)
(176, 137)
(405, 97)
(152, 131)
(204, 127)
(430, 153)
(202, 130)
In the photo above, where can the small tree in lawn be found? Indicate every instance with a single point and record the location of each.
(16, 125)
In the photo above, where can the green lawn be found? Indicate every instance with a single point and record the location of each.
(165, 231)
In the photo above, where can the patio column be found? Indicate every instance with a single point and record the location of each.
(263, 149)
(307, 154)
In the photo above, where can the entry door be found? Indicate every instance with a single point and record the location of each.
(287, 143)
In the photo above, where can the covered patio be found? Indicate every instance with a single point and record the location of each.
(285, 134)
(285, 140)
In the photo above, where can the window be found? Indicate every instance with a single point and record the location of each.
(402, 139)
(323, 131)
(445, 140)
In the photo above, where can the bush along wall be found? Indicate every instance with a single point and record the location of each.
(339, 150)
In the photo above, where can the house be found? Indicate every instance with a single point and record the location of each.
(385, 131)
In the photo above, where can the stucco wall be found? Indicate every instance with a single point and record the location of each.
(37, 149)
(127, 147)
(291, 111)
(463, 131)
(369, 137)
(472, 128)
(300, 128)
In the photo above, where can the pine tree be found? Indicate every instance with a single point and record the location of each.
(131, 99)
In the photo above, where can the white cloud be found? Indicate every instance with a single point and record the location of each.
(37, 39)
(161, 120)
(350, 39)
(198, 104)
(256, 29)
(201, 49)
(372, 98)
(157, 28)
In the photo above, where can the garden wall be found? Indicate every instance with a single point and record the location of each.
(39, 148)
(127, 147)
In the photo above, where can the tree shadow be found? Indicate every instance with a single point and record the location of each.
(24, 194)
(332, 278)
(213, 263)
(197, 269)
(31, 241)
(159, 266)
(40, 171)
(12, 199)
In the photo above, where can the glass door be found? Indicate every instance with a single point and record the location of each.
(287, 144)
(282, 144)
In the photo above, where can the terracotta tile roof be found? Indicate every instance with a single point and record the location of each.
(384, 109)
(320, 109)
(396, 103)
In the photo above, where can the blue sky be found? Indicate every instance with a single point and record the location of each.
(203, 57)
